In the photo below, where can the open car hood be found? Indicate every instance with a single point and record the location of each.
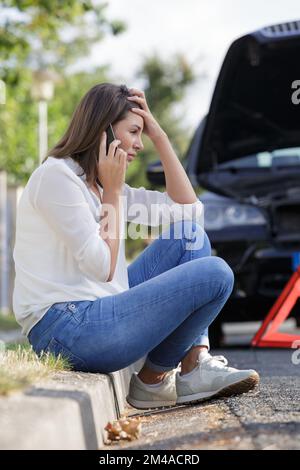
(251, 111)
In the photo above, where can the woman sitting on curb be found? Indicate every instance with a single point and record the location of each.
(74, 294)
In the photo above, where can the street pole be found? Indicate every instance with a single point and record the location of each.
(42, 91)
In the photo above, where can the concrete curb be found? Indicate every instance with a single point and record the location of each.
(69, 411)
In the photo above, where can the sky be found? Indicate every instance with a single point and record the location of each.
(200, 29)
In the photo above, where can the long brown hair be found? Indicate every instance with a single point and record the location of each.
(102, 105)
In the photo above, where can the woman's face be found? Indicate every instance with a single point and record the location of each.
(129, 132)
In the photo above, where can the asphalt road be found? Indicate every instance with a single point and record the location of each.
(265, 418)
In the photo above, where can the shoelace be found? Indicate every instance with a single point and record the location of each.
(215, 359)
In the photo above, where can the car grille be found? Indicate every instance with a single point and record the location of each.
(283, 29)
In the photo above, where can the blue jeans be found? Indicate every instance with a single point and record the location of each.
(175, 293)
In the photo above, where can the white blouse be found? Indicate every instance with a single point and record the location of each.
(59, 254)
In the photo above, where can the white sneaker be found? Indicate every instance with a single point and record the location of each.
(211, 378)
(143, 396)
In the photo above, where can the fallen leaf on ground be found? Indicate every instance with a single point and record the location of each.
(128, 429)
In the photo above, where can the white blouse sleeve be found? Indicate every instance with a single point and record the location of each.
(153, 208)
(60, 200)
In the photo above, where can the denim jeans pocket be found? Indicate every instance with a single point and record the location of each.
(78, 309)
(42, 330)
(57, 348)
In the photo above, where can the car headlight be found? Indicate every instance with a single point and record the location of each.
(218, 216)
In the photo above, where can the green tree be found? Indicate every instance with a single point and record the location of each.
(19, 120)
(42, 34)
(49, 33)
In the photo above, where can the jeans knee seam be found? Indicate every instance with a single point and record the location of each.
(174, 240)
(165, 253)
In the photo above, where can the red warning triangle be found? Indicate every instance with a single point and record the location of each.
(268, 334)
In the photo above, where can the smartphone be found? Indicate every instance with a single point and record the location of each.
(110, 136)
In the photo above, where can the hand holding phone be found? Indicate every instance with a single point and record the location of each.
(110, 137)
(112, 162)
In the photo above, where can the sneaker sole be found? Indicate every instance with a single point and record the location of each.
(143, 405)
(236, 388)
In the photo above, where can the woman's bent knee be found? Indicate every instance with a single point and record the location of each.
(221, 272)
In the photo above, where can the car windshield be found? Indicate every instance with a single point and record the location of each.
(277, 158)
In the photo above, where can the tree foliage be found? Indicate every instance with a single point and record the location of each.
(49, 33)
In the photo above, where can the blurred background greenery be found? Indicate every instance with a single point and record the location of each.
(55, 35)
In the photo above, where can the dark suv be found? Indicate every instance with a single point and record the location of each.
(246, 154)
